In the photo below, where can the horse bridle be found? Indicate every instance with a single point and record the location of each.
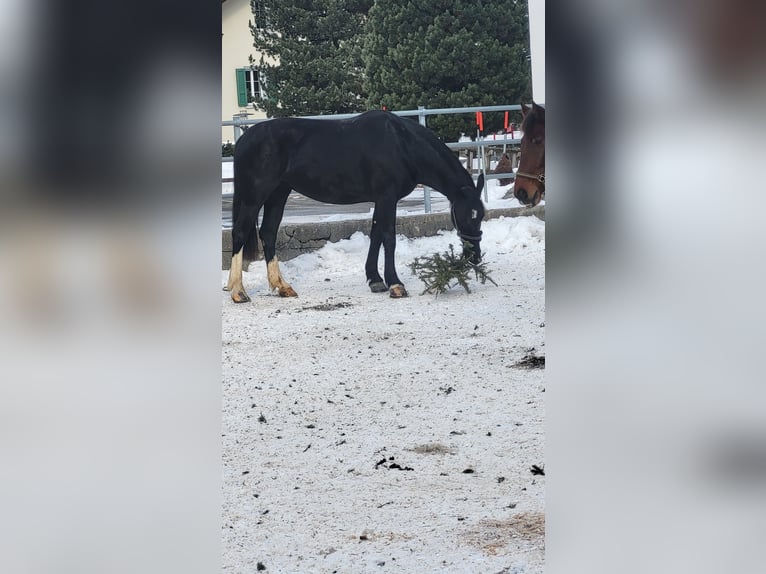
(539, 177)
(460, 234)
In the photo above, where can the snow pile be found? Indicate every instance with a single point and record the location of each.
(347, 257)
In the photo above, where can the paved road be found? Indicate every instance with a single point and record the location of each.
(300, 208)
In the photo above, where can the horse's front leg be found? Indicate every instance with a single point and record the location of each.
(387, 223)
(374, 280)
(272, 216)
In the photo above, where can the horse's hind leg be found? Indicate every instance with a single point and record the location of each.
(272, 216)
(234, 285)
(242, 228)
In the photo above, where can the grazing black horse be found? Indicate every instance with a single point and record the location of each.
(376, 156)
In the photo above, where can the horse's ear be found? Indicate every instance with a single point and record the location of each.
(480, 183)
(524, 110)
(538, 109)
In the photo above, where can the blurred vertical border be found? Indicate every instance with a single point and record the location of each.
(110, 286)
(656, 409)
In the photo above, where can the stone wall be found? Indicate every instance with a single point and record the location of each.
(295, 239)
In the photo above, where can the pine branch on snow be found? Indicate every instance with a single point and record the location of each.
(442, 271)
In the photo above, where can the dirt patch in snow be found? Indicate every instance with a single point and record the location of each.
(495, 536)
(327, 306)
(434, 448)
(531, 361)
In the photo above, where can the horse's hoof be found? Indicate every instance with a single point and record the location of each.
(240, 297)
(287, 292)
(397, 291)
(378, 287)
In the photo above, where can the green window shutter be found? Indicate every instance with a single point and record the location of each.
(241, 88)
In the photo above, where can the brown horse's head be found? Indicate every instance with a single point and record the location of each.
(529, 187)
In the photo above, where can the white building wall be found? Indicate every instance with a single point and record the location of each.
(537, 48)
(236, 47)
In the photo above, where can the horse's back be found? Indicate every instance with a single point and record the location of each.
(367, 133)
(334, 161)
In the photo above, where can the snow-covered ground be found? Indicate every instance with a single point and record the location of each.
(367, 434)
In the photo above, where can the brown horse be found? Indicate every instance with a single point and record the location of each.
(529, 187)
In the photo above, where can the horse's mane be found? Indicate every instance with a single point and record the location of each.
(437, 146)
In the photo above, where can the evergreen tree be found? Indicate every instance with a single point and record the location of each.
(448, 53)
(311, 55)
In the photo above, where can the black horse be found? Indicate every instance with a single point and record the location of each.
(376, 156)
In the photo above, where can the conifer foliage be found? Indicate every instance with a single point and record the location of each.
(442, 271)
(345, 56)
(311, 55)
(455, 53)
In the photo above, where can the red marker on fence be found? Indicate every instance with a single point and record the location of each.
(480, 121)
(505, 124)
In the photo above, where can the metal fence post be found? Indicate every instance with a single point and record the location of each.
(482, 152)
(484, 162)
(236, 126)
(426, 189)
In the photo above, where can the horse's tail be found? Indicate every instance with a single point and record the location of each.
(251, 245)
(251, 250)
(244, 232)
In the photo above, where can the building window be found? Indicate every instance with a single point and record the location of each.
(249, 86)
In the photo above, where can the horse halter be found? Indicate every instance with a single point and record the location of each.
(539, 177)
(460, 234)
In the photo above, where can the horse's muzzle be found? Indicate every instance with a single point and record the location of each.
(474, 253)
(526, 198)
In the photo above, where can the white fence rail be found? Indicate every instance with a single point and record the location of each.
(480, 144)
